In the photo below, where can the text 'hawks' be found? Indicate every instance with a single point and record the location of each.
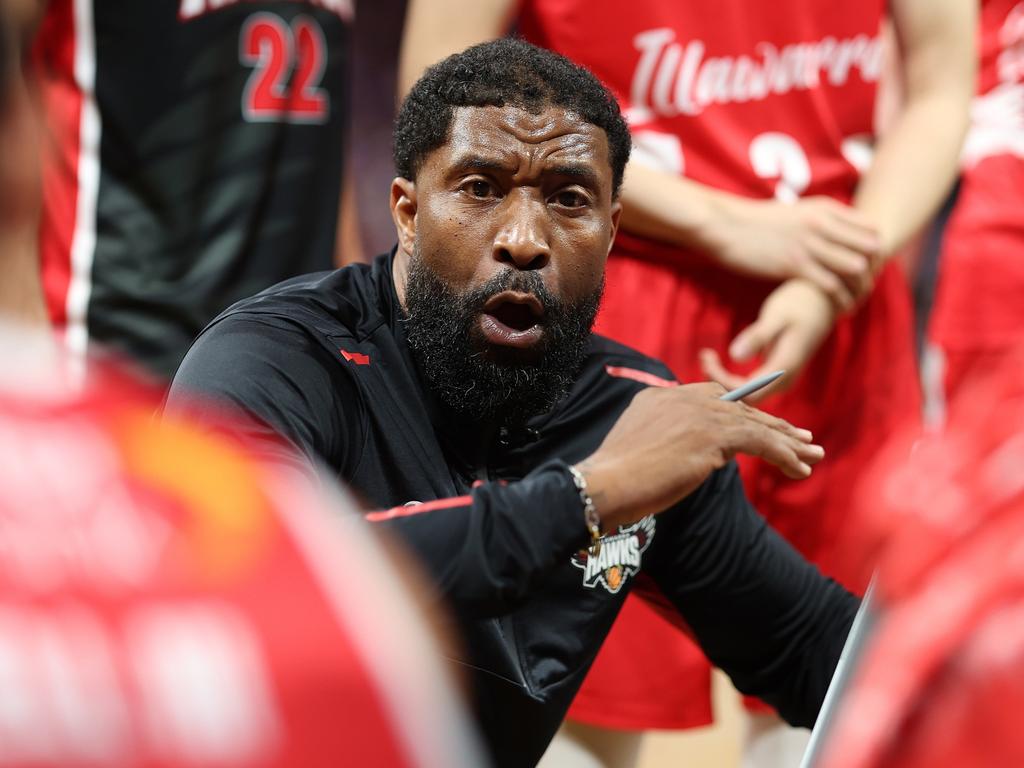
(619, 557)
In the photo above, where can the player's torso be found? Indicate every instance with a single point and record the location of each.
(201, 153)
(983, 241)
(757, 98)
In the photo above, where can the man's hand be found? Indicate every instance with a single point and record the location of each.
(669, 440)
(816, 238)
(794, 320)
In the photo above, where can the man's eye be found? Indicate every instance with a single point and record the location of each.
(570, 199)
(480, 188)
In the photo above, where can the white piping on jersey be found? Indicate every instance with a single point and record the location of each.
(191, 9)
(83, 239)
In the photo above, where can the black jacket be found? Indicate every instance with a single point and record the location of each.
(323, 361)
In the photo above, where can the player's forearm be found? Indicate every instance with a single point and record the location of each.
(913, 168)
(435, 29)
(491, 549)
(916, 159)
(672, 209)
(21, 291)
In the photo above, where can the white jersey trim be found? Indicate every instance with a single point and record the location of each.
(83, 239)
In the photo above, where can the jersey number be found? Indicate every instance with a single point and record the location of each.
(288, 63)
(772, 155)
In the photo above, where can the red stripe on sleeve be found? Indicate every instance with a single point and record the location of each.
(53, 65)
(419, 509)
(642, 376)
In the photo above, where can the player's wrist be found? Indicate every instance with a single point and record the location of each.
(591, 518)
(599, 482)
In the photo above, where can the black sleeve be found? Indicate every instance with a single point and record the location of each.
(485, 552)
(759, 610)
(266, 380)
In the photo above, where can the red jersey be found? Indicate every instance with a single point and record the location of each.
(166, 600)
(940, 682)
(981, 275)
(758, 99)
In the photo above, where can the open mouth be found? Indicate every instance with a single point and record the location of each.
(512, 319)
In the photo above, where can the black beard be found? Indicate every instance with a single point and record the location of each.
(484, 382)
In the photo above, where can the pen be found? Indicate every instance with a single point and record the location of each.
(751, 386)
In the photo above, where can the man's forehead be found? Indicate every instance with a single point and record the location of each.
(549, 131)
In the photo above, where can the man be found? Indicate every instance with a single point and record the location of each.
(457, 383)
(759, 217)
(195, 158)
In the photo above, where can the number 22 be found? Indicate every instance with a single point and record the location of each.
(274, 50)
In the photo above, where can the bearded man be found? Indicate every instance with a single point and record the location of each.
(534, 467)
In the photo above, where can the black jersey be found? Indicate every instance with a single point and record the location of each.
(197, 159)
(493, 513)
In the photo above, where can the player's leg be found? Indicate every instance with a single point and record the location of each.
(769, 742)
(577, 745)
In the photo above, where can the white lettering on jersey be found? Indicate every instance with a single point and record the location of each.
(1011, 38)
(179, 682)
(191, 9)
(83, 524)
(997, 117)
(673, 78)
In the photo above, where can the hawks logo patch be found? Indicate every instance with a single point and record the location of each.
(619, 557)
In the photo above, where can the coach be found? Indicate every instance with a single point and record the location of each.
(456, 383)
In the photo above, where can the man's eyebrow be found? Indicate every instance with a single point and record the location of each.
(479, 163)
(582, 173)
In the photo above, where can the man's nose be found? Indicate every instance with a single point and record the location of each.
(522, 240)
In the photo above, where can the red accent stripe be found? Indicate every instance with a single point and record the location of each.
(642, 376)
(53, 64)
(356, 357)
(419, 509)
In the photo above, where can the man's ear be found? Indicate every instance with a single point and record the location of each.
(403, 212)
(616, 214)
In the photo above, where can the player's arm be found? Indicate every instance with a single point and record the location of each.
(25, 14)
(758, 609)
(913, 167)
(818, 239)
(916, 159)
(21, 292)
(435, 29)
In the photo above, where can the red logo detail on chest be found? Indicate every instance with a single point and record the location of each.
(355, 357)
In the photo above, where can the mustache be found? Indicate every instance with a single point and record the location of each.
(512, 280)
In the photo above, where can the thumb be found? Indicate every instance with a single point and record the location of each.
(754, 338)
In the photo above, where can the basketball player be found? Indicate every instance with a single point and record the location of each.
(940, 681)
(166, 600)
(976, 319)
(195, 157)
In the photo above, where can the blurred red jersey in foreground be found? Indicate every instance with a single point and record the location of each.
(166, 600)
(942, 681)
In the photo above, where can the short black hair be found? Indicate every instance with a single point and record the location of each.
(505, 72)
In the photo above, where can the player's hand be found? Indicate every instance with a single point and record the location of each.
(669, 440)
(816, 238)
(793, 321)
